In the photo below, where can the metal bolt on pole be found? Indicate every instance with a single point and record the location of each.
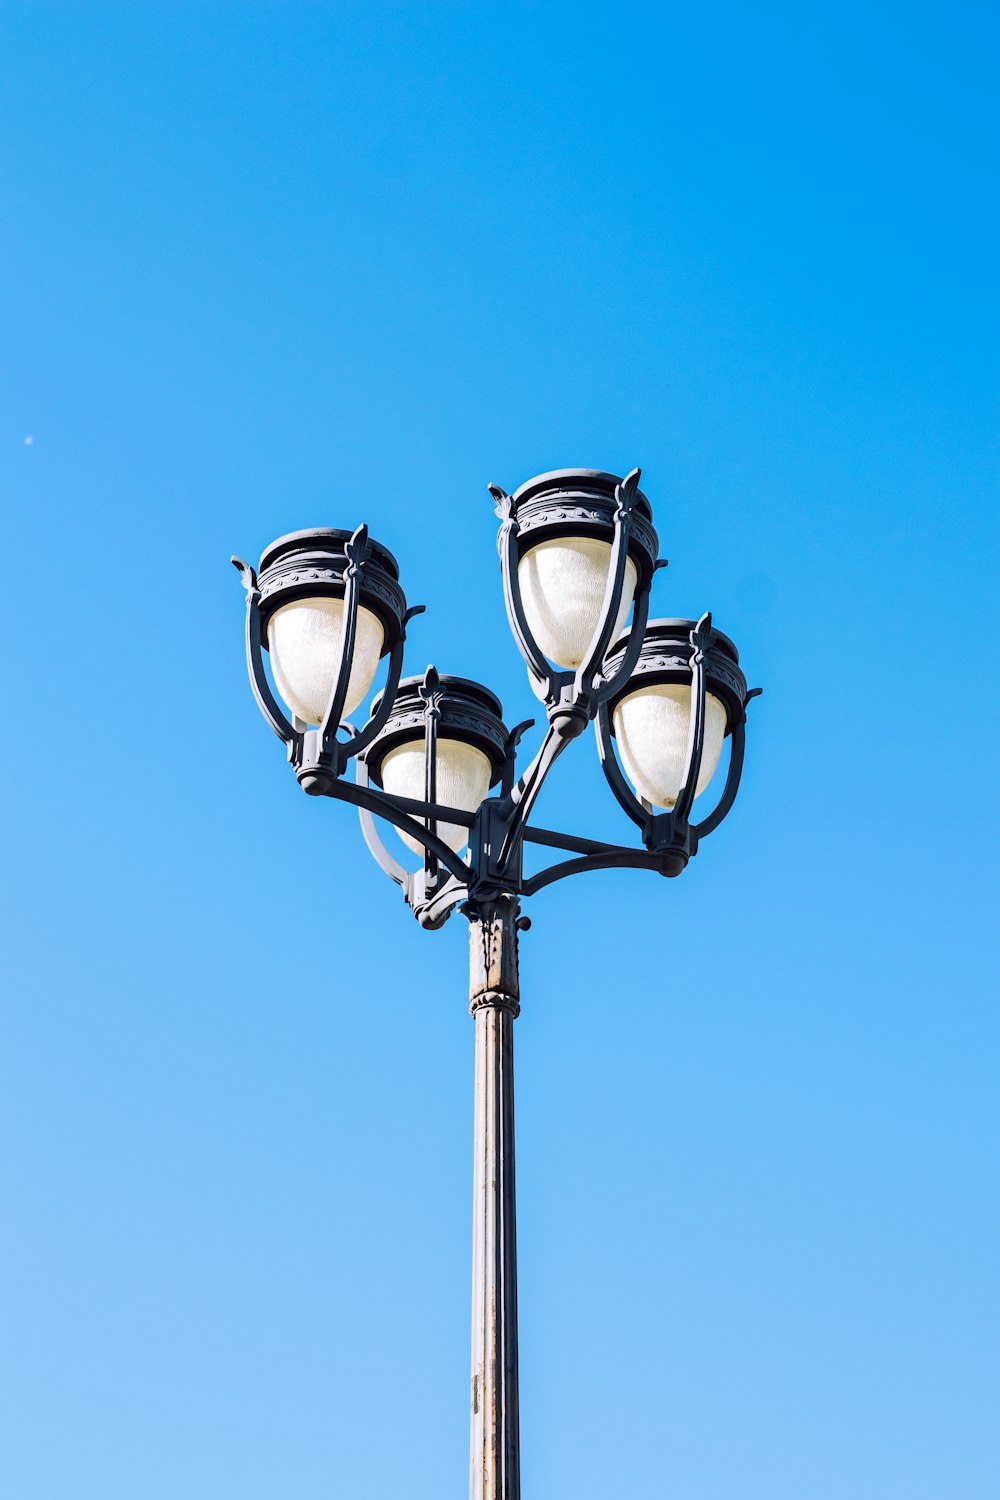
(494, 1002)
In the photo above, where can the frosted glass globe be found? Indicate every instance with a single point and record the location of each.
(651, 726)
(304, 638)
(463, 779)
(562, 586)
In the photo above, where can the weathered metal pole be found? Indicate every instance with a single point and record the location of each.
(495, 1469)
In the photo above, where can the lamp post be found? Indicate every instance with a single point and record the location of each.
(435, 760)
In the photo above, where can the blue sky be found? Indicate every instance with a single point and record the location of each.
(283, 265)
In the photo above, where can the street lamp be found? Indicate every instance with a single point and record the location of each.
(435, 760)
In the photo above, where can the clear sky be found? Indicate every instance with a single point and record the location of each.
(267, 266)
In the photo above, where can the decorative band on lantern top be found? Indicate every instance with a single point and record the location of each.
(665, 657)
(581, 502)
(466, 711)
(311, 564)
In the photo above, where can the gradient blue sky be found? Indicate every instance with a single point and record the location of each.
(276, 265)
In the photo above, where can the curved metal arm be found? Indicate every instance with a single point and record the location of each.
(523, 796)
(527, 787)
(363, 794)
(431, 907)
(430, 693)
(736, 748)
(266, 701)
(613, 772)
(510, 752)
(618, 859)
(725, 802)
(640, 614)
(700, 637)
(539, 670)
(357, 554)
(613, 589)
(361, 739)
(372, 838)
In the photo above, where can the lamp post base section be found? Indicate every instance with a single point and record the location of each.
(494, 1003)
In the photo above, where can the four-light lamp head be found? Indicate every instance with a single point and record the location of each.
(578, 555)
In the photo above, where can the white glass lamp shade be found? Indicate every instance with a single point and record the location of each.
(463, 779)
(562, 587)
(651, 726)
(304, 638)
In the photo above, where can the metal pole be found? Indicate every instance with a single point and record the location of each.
(495, 1468)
